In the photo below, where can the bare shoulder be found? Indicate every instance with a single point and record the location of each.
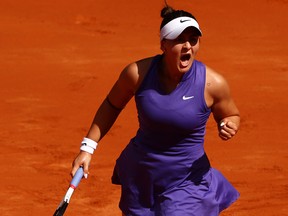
(218, 97)
(128, 82)
(134, 73)
(214, 78)
(216, 84)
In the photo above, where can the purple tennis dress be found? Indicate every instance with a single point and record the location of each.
(164, 170)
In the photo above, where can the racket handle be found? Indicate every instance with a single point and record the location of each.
(77, 177)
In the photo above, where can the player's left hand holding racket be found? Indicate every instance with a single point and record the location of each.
(73, 184)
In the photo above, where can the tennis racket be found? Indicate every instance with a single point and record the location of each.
(73, 184)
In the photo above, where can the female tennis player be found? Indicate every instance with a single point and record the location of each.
(164, 169)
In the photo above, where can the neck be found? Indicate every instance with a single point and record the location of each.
(168, 79)
(168, 72)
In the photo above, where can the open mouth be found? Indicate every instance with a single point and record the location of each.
(184, 59)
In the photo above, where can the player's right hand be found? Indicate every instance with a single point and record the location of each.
(83, 159)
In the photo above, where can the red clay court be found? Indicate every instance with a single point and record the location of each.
(60, 58)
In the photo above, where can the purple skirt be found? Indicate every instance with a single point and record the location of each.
(160, 184)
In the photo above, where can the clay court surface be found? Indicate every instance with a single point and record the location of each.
(58, 60)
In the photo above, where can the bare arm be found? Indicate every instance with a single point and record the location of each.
(224, 110)
(120, 94)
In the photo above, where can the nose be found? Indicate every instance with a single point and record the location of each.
(187, 45)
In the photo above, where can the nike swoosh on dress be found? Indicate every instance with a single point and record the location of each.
(187, 97)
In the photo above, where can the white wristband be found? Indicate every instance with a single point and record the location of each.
(87, 149)
(88, 145)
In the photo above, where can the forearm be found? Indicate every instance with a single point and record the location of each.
(103, 121)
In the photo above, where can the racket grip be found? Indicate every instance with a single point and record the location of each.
(77, 177)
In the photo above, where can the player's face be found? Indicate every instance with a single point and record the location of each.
(181, 51)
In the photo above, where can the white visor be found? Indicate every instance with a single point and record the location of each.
(176, 26)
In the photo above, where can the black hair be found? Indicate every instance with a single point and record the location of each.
(168, 14)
